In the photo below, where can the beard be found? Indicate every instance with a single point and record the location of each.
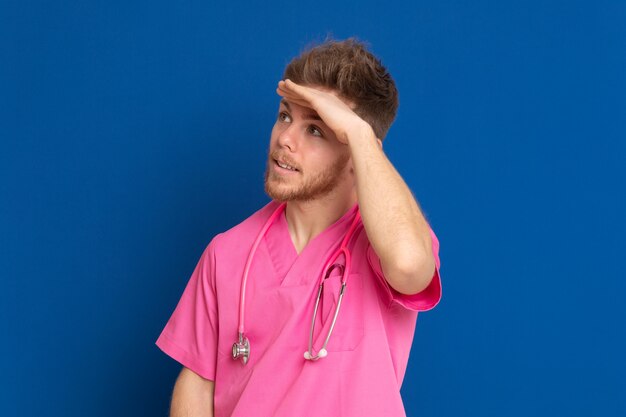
(313, 187)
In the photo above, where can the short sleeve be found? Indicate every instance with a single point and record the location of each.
(190, 335)
(424, 300)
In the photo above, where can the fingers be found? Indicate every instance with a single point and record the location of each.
(294, 98)
(301, 95)
(290, 89)
(289, 85)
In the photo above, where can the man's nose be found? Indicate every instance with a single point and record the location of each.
(288, 137)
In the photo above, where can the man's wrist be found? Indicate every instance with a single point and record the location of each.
(360, 134)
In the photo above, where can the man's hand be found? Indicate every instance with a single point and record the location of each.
(333, 111)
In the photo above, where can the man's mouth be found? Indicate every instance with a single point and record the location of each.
(284, 165)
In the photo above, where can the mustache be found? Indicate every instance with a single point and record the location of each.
(277, 155)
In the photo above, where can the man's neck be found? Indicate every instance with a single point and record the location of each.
(308, 219)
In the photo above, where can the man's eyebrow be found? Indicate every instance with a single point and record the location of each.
(285, 103)
(306, 116)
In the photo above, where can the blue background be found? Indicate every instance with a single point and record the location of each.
(132, 132)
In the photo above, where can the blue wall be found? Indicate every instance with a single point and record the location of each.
(132, 132)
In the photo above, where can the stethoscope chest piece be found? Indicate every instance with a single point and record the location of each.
(241, 349)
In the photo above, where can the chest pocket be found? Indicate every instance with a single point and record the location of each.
(349, 328)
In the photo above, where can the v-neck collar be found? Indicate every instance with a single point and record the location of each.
(290, 266)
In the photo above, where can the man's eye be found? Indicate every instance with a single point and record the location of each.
(284, 117)
(315, 131)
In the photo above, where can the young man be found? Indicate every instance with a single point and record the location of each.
(326, 163)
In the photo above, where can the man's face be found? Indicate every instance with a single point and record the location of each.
(305, 160)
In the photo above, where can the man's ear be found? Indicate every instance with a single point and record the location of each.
(380, 143)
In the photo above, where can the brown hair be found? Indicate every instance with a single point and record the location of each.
(348, 68)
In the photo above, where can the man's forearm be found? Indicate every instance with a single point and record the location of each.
(392, 218)
(192, 396)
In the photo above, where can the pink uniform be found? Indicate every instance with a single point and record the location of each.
(368, 350)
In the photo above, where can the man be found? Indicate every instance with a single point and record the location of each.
(326, 162)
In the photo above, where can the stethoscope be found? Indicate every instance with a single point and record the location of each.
(241, 348)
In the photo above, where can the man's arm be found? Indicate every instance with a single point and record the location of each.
(193, 395)
(392, 218)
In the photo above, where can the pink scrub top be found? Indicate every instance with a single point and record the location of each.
(367, 352)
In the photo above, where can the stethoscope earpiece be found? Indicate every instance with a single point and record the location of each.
(321, 354)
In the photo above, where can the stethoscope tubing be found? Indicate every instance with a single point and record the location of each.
(244, 281)
(241, 349)
(345, 272)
